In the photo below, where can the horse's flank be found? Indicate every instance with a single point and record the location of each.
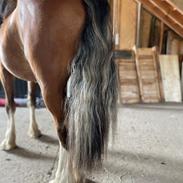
(40, 41)
(26, 28)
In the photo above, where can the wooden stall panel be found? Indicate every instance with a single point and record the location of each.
(128, 24)
(129, 90)
(170, 72)
(174, 44)
(116, 13)
(145, 28)
(148, 76)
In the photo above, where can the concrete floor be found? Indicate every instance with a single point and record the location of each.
(148, 148)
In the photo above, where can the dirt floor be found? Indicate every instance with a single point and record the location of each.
(148, 148)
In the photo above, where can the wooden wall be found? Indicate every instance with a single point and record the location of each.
(124, 23)
(141, 75)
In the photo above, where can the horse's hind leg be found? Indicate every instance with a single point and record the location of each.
(7, 81)
(33, 131)
(54, 97)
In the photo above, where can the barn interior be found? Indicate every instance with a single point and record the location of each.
(149, 47)
(148, 50)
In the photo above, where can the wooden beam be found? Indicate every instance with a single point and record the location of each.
(162, 30)
(139, 22)
(128, 24)
(167, 12)
(116, 14)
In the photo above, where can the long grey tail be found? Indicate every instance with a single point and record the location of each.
(92, 105)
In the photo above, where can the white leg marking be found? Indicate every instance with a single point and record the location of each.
(62, 174)
(33, 131)
(10, 138)
(68, 88)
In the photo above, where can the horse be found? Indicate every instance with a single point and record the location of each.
(52, 42)
(6, 8)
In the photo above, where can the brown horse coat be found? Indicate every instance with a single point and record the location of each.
(48, 41)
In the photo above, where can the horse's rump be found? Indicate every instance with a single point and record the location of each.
(42, 39)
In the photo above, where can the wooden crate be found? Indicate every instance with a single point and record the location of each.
(170, 72)
(129, 89)
(148, 75)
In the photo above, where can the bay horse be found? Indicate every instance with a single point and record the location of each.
(6, 8)
(51, 42)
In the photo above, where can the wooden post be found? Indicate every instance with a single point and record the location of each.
(139, 16)
(116, 9)
(162, 30)
(128, 24)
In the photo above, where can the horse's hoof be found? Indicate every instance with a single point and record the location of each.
(54, 181)
(6, 146)
(34, 134)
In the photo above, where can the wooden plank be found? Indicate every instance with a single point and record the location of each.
(129, 90)
(170, 72)
(148, 76)
(178, 3)
(166, 12)
(128, 24)
(116, 13)
(174, 44)
(162, 31)
(139, 25)
(146, 27)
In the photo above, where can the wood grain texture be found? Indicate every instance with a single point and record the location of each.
(167, 12)
(170, 72)
(178, 3)
(146, 27)
(174, 44)
(129, 89)
(128, 24)
(116, 14)
(148, 76)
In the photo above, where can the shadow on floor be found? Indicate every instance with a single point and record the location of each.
(89, 181)
(162, 169)
(48, 139)
(27, 154)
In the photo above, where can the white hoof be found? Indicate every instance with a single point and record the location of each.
(34, 133)
(7, 146)
(54, 181)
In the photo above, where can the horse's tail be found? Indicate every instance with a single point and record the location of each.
(93, 85)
